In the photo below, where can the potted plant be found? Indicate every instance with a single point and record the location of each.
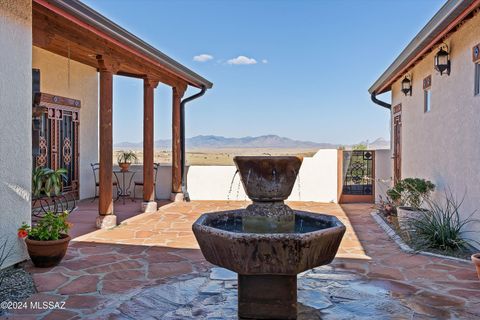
(409, 194)
(125, 158)
(47, 182)
(47, 241)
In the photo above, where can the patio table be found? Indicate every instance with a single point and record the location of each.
(123, 186)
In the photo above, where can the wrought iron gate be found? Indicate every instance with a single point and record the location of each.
(358, 176)
(55, 138)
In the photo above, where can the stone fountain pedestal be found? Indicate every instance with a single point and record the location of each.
(268, 244)
(267, 296)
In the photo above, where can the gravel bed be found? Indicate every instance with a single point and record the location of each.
(17, 285)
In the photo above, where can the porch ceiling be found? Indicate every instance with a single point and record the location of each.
(59, 32)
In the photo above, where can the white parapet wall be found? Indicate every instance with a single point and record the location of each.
(317, 180)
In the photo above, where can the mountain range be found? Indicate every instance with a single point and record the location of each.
(266, 141)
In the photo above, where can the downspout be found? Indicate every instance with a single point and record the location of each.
(186, 196)
(379, 102)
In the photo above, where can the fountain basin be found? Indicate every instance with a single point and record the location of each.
(226, 239)
(268, 178)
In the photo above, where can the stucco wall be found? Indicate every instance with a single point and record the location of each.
(15, 122)
(84, 87)
(317, 180)
(383, 173)
(443, 144)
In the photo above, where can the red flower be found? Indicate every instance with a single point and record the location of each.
(22, 233)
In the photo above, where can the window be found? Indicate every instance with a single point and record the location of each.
(427, 97)
(477, 79)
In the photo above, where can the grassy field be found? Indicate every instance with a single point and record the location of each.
(215, 157)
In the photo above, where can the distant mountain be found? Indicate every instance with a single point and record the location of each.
(377, 144)
(267, 141)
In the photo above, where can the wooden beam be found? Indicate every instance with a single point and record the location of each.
(177, 95)
(55, 33)
(106, 218)
(148, 145)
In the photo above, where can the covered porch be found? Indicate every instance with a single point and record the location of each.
(81, 35)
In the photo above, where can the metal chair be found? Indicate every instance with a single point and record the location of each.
(95, 168)
(140, 183)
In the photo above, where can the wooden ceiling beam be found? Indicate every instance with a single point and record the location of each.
(56, 34)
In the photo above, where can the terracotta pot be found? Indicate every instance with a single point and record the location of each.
(124, 166)
(45, 254)
(476, 262)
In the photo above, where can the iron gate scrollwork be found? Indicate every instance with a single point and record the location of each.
(358, 172)
(55, 144)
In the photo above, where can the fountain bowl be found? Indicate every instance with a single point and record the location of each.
(312, 242)
(268, 178)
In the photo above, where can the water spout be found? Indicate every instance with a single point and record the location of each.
(231, 185)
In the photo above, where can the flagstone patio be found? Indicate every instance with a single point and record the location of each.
(150, 267)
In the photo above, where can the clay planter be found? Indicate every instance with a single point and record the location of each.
(476, 262)
(124, 166)
(45, 254)
(405, 215)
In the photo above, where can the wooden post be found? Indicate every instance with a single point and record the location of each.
(178, 93)
(106, 218)
(149, 203)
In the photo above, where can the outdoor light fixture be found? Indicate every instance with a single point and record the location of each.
(442, 60)
(407, 85)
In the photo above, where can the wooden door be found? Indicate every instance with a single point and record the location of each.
(397, 148)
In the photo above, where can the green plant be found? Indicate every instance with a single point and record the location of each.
(126, 157)
(440, 226)
(50, 227)
(359, 146)
(411, 192)
(48, 181)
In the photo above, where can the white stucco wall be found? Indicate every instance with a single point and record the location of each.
(84, 87)
(383, 173)
(443, 144)
(15, 122)
(317, 178)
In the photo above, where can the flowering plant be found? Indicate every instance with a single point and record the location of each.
(50, 227)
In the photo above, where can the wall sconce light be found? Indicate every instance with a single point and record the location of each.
(407, 85)
(442, 60)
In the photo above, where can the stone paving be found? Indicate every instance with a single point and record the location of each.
(150, 267)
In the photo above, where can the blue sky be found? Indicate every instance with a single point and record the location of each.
(315, 61)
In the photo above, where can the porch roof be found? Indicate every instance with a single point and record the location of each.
(438, 28)
(72, 29)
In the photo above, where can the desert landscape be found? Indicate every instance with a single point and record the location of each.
(218, 150)
(217, 157)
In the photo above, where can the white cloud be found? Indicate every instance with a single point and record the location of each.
(264, 61)
(202, 57)
(242, 60)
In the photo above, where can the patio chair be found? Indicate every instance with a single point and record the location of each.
(140, 183)
(95, 168)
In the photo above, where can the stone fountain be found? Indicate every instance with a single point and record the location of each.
(268, 244)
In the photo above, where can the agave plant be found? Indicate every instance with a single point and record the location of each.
(441, 227)
(48, 181)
